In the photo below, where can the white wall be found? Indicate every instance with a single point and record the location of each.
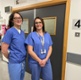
(74, 43)
(4, 3)
(73, 71)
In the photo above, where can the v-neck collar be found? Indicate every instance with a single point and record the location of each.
(17, 30)
(39, 34)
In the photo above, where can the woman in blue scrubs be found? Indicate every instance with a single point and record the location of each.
(39, 46)
(13, 47)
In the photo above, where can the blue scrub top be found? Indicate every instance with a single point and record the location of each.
(33, 39)
(16, 45)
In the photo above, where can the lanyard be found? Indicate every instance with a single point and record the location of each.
(41, 39)
(42, 42)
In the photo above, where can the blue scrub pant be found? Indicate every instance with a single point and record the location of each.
(45, 72)
(16, 71)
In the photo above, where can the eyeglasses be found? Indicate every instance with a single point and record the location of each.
(17, 18)
(38, 22)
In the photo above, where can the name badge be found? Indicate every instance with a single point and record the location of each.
(43, 51)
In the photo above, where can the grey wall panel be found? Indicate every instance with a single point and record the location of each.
(74, 58)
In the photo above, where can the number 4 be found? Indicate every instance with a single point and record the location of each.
(77, 24)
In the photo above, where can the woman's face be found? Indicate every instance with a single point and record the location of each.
(17, 20)
(38, 24)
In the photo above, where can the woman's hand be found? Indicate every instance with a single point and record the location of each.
(42, 63)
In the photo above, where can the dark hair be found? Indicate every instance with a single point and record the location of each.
(43, 28)
(11, 17)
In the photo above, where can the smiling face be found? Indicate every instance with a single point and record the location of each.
(38, 24)
(17, 20)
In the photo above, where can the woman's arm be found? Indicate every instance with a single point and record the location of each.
(4, 49)
(49, 53)
(33, 54)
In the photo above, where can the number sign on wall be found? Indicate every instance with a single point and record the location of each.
(76, 24)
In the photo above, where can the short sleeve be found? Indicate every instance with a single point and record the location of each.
(29, 40)
(50, 41)
(7, 37)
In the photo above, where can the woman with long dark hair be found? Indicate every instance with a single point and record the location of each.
(13, 47)
(39, 46)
